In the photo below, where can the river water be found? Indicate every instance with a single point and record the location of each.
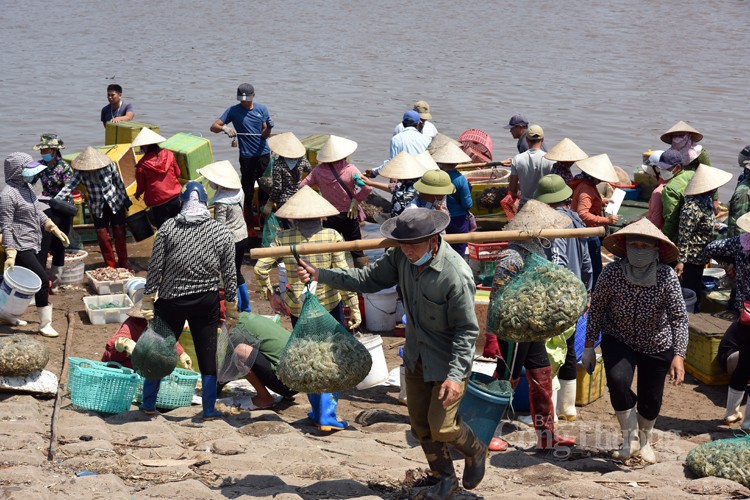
(612, 76)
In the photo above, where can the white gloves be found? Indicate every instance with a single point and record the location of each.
(233, 312)
(147, 307)
(355, 318)
(589, 359)
(229, 131)
(10, 258)
(50, 227)
(124, 344)
(353, 209)
(185, 360)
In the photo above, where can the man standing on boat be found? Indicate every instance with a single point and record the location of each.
(410, 139)
(117, 110)
(529, 167)
(427, 128)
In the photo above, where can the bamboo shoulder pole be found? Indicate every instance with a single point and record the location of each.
(475, 237)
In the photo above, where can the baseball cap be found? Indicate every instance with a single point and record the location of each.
(516, 120)
(411, 117)
(535, 132)
(669, 159)
(245, 92)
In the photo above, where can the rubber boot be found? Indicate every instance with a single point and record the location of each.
(150, 392)
(121, 245)
(476, 455)
(496, 443)
(55, 273)
(566, 400)
(645, 428)
(734, 400)
(11, 320)
(441, 465)
(105, 245)
(45, 321)
(361, 262)
(243, 298)
(628, 426)
(540, 399)
(209, 391)
(323, 411)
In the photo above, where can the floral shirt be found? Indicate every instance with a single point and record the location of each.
(737, 248)
(562, 171)
(285, 180)
(403, 196)
(55, 177)
(696, 229)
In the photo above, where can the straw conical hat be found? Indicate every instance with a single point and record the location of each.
(306, 204)
(425, 158)
(535, 215)
(599, 167)
(145, 137)
(450, 154)
(707, 179)
(287, 145)
(744, 222)
(403, 166)
(439, 141)
(336, 148)
(91, 159)
(681, 126)
(566, 150)
(221, 173)
(615, 243)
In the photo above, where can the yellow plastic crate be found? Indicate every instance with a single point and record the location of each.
(125, 132)
(590, 387)
(702, 361)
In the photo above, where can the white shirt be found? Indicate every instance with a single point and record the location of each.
(428, 130)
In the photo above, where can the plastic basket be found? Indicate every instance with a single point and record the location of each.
(175, 391)
(478, 139)
(98, 386)
(486, 251)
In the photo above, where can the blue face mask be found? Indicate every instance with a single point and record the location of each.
(47, 157)
(424, 259)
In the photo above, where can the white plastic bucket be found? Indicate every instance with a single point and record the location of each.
(75, 265)
(379, 371)
(18, 288)
(690, 299)
(381, 310)
(134, 288)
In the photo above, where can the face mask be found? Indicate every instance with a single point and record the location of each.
(424, 259)
(213, 186)
(679, 140)
(47, 157)
(291, 162)
(642, 257)
(666, 174)
(28, 176)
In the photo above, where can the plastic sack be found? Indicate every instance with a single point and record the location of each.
(266, 180)
(541, 301)
(726, 458)
(154, 356)
(236, 351)
(321, 356)
(270, 228)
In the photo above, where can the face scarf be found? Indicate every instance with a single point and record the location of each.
(688, 148)
(308, 227)
(227, 196)
(640, 264)
(291, 162)
(193, 211)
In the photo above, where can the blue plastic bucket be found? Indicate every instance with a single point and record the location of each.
(482, 409)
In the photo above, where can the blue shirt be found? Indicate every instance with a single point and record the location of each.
(410, 140)
(249, 121)
(463, 193)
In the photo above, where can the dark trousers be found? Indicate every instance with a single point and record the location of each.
(740, 334)
(252, 169)
(529, 355)
(595, 251)
(568, 369)
(201, 311)
(50, 243)
(264, 370)
(348, 228)
(620, 362)
(458, 225)
(337, 313)
(110, 219)
(239, 254)
(30, 260)
(161, 213)
(692, 278)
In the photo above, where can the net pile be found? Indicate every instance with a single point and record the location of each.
(727, 458)
(154, 356)
(270, 228)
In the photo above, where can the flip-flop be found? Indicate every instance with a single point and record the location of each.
(148, 412)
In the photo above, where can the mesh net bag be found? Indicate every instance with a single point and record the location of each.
(726, 458)
(266, 180)
(154, 355)
(541, 301)
(236, 351)
(321, 356)
(270, 228)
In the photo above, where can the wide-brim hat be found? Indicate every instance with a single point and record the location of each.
(599, 167)
(336, 148)
(435, 182)
(306, 204)
(286, 145)
(426, 160)
(616, 242)
(535, 216)
(744, 222)
(450, 154)
(683, 127)
(552, 189)
(136, 311)
(91, 159)
(221, 173)
(145, 137)
(707, 179)
(423, 108)
(415, 225)
(403, 166)
(439, 141)
(566, 150)
(49, 141)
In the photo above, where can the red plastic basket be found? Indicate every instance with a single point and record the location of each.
(486, 251)
(477, 144)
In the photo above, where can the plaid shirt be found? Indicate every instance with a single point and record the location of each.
(104, 186)
(328, 297)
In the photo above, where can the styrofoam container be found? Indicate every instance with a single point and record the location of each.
(106, 287)
(111, 315)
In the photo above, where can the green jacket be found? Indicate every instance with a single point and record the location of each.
(672, 201)
(441, 324)
(739, 205)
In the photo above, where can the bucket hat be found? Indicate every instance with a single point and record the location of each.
(403, 166)
(336, 148)
(744, 222)
(91, 159)
(552, 189)
(683, 127)
(286, 145)
(306, 204)
(145, 137)
(615, 243)
(423, 108)
(435, 182)
(599, 167)
(49, 141)
(425, 158)
(566, 150)
(707, 179)
(415, 225)
(450, 154)
(221, 173)
(535, 216)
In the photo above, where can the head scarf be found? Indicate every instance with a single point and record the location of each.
(688, 148)
(193, 211)
(640, 264)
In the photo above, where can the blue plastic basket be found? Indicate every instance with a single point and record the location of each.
(176, 390)
(98, 386)
(580, 336)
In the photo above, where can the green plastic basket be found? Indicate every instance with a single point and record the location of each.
(98, 386)
(176, 390)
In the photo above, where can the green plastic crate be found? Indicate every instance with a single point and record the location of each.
(175, 391)
(125, 132)
(98, 386)
(192, 152)
(312, 144)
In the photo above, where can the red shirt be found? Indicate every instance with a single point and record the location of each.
(588, 203)
(157, 176)
(131, 328)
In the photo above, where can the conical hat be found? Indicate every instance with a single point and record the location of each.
(91, 159)
(145, 137)
(566, 150)
(306, 204)
(707, 179)
(599, 167)
(403, 166)
(287, 145)
(450, 154)
(535, 215)
(336, 148)
(221, 173)
(615, 243)
(425, 158)
(681, 126)
(744, 222)
(439, 141)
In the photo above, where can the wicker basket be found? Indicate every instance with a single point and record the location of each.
(175, 391)
(98, 386)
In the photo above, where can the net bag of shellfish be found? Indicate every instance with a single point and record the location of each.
(726, 458)
(541, 301)
(236, 350)
(321, 356)
(154, 355)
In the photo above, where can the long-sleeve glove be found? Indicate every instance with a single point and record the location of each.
(51, 228)
(10, 258)
(491, 347)
(124, 344)
(355, 318)
(589, 359)
(267, 208)
(229, 131)
(233, 312)
(187, 363)
(353, 209)
(147, 306)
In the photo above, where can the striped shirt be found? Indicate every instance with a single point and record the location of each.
(104, 186)
(21, 218)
